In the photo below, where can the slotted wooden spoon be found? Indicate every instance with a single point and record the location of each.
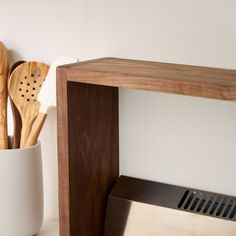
(24, 85)
(49, 91)
(3, 96)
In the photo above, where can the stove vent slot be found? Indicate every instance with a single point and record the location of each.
(208, 204)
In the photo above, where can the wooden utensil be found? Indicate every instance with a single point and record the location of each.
(49, 91)
(24, 85)
(3, 96)
(16, 115)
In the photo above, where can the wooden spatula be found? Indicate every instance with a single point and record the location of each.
(16, 115)
(3, 96)
(24, 85)
(49, 91)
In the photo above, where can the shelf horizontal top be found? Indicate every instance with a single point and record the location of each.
(156, 76)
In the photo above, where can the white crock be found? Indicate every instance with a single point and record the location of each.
(21, 191)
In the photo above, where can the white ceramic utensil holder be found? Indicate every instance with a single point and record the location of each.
(21, 191)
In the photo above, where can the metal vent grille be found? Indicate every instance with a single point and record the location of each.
(208, 204)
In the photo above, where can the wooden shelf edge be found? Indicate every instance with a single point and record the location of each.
(188, 80)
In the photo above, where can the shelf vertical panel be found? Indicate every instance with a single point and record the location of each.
(93, 158)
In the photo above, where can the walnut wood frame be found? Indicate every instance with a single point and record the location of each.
(88, 150)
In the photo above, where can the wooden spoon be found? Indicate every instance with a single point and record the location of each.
(16, 115)
(49, 91)
(3, 96)
(24, 85)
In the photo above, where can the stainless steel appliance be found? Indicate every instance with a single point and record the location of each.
(144, 208)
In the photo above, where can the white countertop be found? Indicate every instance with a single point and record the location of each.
(49, 228)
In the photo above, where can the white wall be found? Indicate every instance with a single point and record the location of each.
(170, 138)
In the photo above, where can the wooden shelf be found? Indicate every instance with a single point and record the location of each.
(170, 78)
(88, 134)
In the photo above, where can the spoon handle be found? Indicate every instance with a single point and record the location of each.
(16, 115)
(3, 96)
(17, 125)
(38, 125)
(3, 121)
(25, 132)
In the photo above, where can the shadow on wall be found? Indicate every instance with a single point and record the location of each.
(14, 56)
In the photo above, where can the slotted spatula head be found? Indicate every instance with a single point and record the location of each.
(24, 85)
(48, 91)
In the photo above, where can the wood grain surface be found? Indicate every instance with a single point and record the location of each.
(87, 106)
(36, 129)
(4, 67)
(94, 160)
(24, 85)
(63, 155)
(15, 113)
(89, 165)
(156, 76)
